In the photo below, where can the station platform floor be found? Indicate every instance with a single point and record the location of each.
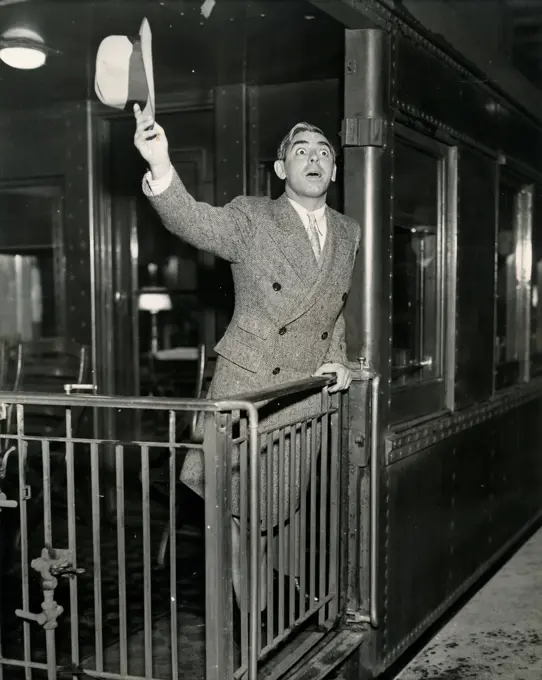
(497, 634)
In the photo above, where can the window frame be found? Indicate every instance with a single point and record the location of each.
(535, 357)
(435, 395)
(513, 372)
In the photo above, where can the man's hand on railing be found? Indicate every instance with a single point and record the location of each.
(342, 373)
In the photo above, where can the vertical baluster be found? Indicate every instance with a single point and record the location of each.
(96, 552)
(324, 544)
(22, 450)
(334, 516)
(72, 536)
(218, 553)
(121, 557)
(173, 544)
(50, 634)
(147, 588)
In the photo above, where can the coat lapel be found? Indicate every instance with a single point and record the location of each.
(337, 249)
(291, 238)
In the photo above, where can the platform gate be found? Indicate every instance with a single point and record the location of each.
(82, 593)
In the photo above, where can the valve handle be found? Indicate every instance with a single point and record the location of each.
(29, 616)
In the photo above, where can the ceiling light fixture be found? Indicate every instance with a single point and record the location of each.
(23, 49)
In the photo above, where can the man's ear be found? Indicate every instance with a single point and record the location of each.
(279, 169)
(334, 173)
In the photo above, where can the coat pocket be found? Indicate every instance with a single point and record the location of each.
(242, 348)
(253, 326)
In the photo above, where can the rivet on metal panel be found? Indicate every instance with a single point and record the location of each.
(351, 67)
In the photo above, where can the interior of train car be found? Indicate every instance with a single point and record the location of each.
(98, 293)
(428, 468)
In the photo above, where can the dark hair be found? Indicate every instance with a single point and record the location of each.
(286, 143)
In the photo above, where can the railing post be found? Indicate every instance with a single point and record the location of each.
(217, 445)
(362, 435)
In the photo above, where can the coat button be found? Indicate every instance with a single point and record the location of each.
(276, 371)
(282, 330)
(324, 335)
(344, 296)
(276, 286)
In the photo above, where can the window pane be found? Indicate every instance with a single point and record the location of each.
(536, 310)
(31, 264)
(536, 303)
(506, 349)
(416, 271)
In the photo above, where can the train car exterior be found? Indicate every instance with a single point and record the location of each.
(459, 470)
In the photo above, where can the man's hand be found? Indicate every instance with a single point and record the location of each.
(151, 142)
(344, 376)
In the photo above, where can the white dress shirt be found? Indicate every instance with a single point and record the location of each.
(158, 186)
(320, 216)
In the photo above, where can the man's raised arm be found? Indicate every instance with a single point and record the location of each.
(225, 232)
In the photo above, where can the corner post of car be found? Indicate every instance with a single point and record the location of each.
(366, 138)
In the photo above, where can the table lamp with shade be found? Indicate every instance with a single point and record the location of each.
(154, 300)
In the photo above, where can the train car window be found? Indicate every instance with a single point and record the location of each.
(536, 290)
(421, 170)
(513, 279)
(415, 266)
(32, 271)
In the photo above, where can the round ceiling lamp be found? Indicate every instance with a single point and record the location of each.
(23, 49)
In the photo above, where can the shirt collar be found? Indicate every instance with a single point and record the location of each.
(302, 211)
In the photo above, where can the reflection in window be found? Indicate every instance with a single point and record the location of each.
(514, 298)
(535, 345)
(506, 347)
(32, 270)
(416, 269)
(536, 310)
(27, 289)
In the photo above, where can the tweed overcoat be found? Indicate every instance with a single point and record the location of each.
(287, 318)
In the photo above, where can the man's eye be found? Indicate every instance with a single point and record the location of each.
(324, 152)
(300, 151)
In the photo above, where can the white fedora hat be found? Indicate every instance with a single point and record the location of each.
(124, 73)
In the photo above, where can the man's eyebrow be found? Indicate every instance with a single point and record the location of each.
(304, 141)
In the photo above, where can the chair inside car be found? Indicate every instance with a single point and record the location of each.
(186, 432)
(47, 366)
(50, 365)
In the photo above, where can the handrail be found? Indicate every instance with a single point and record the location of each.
(97, 400)
(286, 389)
(161, 403)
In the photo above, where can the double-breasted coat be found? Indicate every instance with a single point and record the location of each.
(287, 318)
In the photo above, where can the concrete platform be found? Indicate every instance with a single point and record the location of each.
(497, 634)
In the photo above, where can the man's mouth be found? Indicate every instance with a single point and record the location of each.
(314, 174)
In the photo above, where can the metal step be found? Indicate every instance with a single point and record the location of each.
(327, 656)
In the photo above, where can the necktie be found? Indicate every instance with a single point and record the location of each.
(313, 237)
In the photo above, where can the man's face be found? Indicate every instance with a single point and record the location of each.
(309, 166)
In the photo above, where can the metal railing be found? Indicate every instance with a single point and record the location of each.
(277, 481)
(298, 518)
